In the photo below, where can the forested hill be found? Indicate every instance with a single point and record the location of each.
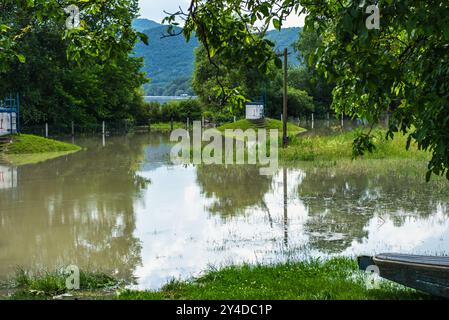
(169, 61)
(144, 24)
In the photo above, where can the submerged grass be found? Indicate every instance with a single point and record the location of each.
(46, 285)
(335, 279)
(166, 126)
(24, 159)
(244, 124)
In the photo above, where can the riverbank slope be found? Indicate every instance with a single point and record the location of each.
(24, 149)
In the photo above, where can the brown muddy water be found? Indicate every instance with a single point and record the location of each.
(124, 209)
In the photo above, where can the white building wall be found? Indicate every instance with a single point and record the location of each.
(5, 123)
(254, 112)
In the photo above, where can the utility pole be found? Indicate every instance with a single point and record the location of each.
(285, 116)
(285, 207)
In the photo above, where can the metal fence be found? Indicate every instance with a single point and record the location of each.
(72, 128)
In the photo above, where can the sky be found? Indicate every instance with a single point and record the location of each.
(154, 10)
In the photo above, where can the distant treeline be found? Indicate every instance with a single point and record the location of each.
(179, 111)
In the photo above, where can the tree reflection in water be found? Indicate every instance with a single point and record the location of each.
(78, 209)
(234, 188)
(341, 203)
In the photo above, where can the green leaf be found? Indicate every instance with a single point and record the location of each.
(143, 37)
(21, 58)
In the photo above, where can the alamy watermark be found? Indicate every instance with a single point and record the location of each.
(373, 20)
(373, 278)
(73, 21)
(72, 280)
(231, 147)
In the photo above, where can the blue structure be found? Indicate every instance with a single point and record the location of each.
(9, 114)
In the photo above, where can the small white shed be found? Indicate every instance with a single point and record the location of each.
(254, 111)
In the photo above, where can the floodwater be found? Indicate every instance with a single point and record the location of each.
(122, 208)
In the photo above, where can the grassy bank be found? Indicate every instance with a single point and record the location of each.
(339, 147)
(29, 149)
(30, 144)
(244, 124)
(336, 279)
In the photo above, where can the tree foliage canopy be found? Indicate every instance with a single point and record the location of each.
(403, 67)
(105, 28)
(84, 74)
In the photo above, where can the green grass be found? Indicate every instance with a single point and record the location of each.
(30, 144)
(339, 147)
(166, 126)
(244, 124)
(336, 279)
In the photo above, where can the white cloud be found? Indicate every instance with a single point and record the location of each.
(294, 21)
(154, 9)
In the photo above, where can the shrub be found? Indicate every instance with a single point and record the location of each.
(191, 108)
(176, 110)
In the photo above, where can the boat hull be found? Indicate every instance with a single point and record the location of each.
(424, 273)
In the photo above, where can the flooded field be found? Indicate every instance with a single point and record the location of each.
(121, 207)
